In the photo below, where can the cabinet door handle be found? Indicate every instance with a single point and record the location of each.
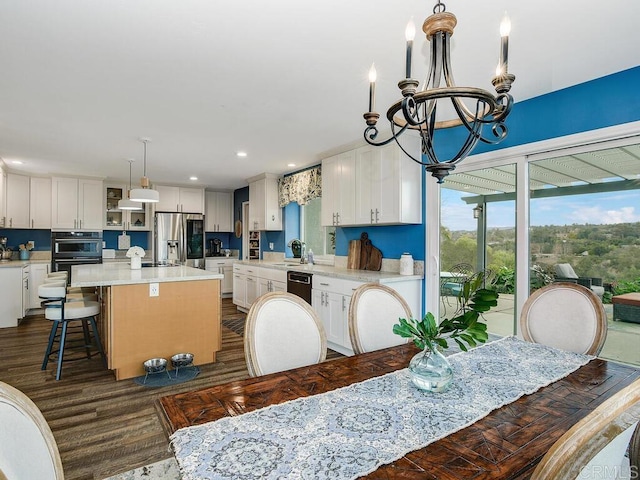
(371, 217)
(32, 223)
(377, 214)
(344, 306)
(11, 222)
(80, 223)
(322, 299)
(324, 284)
(338, 218)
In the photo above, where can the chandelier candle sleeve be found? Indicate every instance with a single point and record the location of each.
(372, 87)
(410, 34)
(505, 29)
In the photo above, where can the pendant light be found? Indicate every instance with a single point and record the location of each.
(127, 203)
(144, 194)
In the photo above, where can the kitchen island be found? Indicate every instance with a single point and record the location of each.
(154, 312)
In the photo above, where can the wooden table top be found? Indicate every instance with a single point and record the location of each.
(506, 444)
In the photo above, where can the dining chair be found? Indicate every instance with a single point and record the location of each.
(373, 311)
(567, 316)
(282, 332)
(595, 446)
(28, 449)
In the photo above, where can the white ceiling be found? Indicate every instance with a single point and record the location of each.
(82, 80)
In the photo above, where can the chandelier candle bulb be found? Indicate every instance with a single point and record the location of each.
(372, 87)
(505, 29)
(409, 34)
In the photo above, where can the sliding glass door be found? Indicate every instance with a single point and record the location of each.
(478, 233)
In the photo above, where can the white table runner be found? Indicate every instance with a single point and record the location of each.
(350, 432)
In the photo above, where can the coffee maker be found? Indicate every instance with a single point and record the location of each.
(215, 247)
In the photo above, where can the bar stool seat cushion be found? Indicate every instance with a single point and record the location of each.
(73, 310)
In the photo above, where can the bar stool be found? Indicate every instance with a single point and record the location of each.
(62, 312)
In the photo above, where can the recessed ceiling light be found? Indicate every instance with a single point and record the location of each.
(193, 177)
(291, 164)
(241, 154)
(16, 162)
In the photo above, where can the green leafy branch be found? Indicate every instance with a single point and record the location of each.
(464, 327)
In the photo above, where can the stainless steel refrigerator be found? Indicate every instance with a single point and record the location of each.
(178, 238)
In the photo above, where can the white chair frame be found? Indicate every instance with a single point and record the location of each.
(582, 442)
(18, 458)
(357, 343)
(574, 293)
(250, 347)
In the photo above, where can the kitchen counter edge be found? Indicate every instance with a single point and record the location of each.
(120, 273)
(331, 271)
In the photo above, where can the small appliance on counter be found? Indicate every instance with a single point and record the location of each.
(215, 247)
(5, 253)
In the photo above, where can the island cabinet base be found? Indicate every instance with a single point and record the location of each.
(184, 317)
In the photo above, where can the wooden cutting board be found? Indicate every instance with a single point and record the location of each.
(353, 256)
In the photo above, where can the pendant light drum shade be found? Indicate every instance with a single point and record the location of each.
(144, 194)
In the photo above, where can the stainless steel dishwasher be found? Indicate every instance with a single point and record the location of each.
(299, 284)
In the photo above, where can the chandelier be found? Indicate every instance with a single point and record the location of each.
(416, 111)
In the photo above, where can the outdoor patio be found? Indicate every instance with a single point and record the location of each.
(623, 338)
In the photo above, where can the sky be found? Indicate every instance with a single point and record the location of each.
(597, 208)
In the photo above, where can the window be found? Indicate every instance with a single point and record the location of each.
(322, 240)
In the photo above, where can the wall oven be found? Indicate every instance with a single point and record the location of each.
(74, 248)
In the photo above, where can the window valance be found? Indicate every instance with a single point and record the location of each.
(300, 187)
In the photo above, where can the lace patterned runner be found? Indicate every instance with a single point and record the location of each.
(350, 432)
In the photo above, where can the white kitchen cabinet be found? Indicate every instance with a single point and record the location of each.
(116, 219)
(179, 199)
(388, 185)
(37, 274)
(330, 299)
(245, 285)
(76, 203)
(338, 190)
(239, 286)
(271, 280)
(17, 201)
(3, 198)
(218, 211)
(264, 210)
(252, 289)
(40, 202)
(14, 294)
(223, 266)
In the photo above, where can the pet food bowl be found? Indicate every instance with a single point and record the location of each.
(182, 360)
(155, 365)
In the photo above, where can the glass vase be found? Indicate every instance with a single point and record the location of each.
(430, 370)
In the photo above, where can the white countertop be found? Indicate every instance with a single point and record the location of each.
(331, 271)
(120, 273)
(21, 263)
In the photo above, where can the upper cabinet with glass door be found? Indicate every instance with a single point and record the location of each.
(116, 219)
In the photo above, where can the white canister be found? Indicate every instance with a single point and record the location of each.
(136, 263)
(406, 264)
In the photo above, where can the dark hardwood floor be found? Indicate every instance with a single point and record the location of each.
(103, 427)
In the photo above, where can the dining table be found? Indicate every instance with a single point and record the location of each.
(505, 442)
